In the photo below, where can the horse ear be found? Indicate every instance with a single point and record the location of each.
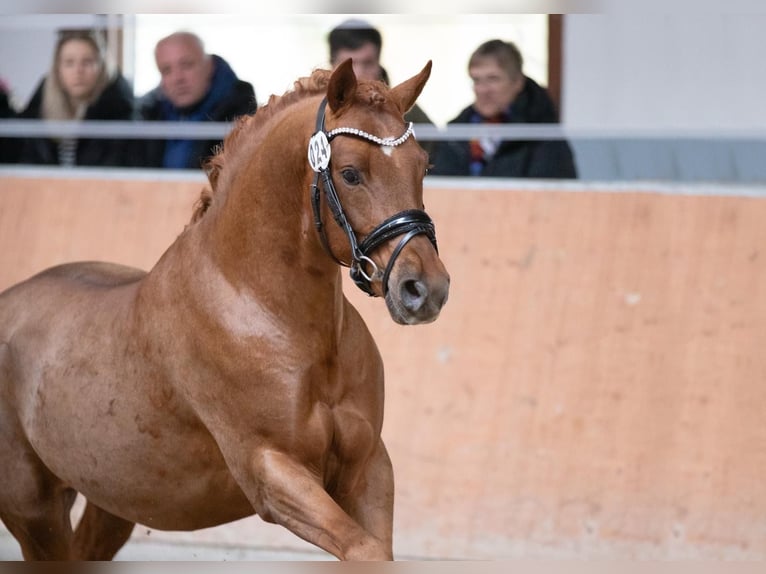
(407, 92)
(342, 86)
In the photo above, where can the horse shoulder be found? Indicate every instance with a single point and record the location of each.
(360, 347)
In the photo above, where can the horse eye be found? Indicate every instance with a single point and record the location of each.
(351, 176)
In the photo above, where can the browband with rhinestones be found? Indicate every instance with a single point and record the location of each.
(390, 142)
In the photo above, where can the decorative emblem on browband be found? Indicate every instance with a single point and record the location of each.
(405, 224)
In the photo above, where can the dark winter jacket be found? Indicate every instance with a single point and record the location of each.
(8, 146)
(227, 98)
(513, 158)
(114, 103)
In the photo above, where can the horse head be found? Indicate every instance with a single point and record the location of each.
(368, 178)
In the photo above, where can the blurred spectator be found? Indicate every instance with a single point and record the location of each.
(503, 94)
(360, 41)
(7, 148)
(195, 86)
(78, 87)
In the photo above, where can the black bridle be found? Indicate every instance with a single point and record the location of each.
(408, 223)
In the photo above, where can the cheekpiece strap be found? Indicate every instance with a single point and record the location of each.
(408, 223)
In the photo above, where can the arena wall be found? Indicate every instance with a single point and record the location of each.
(594, 388)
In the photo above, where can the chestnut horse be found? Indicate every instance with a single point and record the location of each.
(234, 377)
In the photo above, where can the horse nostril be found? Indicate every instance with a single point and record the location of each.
(413, 294)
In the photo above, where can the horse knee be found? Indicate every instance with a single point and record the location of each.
(40, 538)
(37, 515)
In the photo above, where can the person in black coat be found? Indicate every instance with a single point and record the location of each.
(7, 145)
(78, 87)
(194, 86)
(503, 94)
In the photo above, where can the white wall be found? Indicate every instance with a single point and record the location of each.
(665, 70)
(25, 55)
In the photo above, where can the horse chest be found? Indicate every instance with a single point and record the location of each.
(354, 436)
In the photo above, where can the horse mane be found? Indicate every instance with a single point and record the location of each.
(215, 165)
(316, 83)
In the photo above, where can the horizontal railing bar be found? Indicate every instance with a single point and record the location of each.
(20, 128)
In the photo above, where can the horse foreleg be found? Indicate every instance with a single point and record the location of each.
(371, 503)
(41, 525)
(99, 534)
(34, 504)
(288, 494)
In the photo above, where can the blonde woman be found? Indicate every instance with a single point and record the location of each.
(79, 87)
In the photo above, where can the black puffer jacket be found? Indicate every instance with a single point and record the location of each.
(114, 103)
(513, 158)
(7, 145)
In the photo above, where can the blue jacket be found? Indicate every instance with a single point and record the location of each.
(227, 98)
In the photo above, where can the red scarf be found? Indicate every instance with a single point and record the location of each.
(478, 159)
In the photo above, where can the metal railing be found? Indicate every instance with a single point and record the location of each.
(20, 128)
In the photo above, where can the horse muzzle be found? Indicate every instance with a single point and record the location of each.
(417, 297)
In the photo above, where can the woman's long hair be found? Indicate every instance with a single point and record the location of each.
(56, 104)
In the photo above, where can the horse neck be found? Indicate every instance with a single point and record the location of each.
(263, 227)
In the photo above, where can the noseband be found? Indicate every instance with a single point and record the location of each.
(408, 223)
